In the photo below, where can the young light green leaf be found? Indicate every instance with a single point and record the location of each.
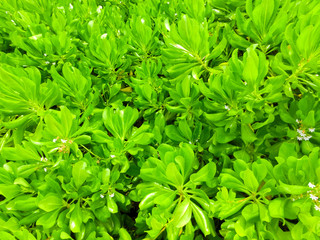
(79, 173)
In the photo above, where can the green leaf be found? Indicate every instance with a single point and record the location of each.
(276, 208)
(182, 213)
(79, 173)
(48, 220)
(185, 129)
(51, 202)
(9, 191)
(292, 189)
(76, 218)
(202, 220)
(249, 180)
(174, 175)
(250, 212)
(247, 134)
(23, 203)
(205, 174)
(112, 206)
(173, 133)
(233, 183)
(6, 236)
(123, 233)
(250, 70)
(147, 201)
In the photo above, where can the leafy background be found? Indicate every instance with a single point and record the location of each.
(153, 119)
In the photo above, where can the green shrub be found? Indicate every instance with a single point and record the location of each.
(178, 119)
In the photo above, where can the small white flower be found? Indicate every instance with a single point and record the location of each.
(306, 138)
(112, 156)
(61, 8)
(70, 6)
(317, 208)
(47, 62)
(226, 107)
(13, 22)
(54, 140)
(111, 195)
(311, 185)
(168, 2)
(176, 14)
(6, 12)
(102, 196)
(99, 9)
(293, 199)
(45, 169)
(317, 75)
(63, 140)
(34, 37)
(311, 129)
(313, 197)
(299, 138)
(53, 63)
(103, 36)
(45, 55)
(190, 142)
(142, 20)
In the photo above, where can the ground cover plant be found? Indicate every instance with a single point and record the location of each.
(151, 119)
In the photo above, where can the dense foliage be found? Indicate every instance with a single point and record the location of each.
(151, 119)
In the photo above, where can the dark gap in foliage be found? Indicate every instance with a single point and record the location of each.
(284, 227)
(217, 224)
(139, 122)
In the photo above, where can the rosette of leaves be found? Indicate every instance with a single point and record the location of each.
(26, 94)
(26, 99)
(239, 102)
(194, 134)
(299, 55)
(61, 132)
(243, 81)
(303, 117)
(106, 53)
(298, 179)
(173, 202)
(228, 6)
(189, 48)
(184, 99)
(244, 198)
(44, 31)
(73, 199)
(143, 34)
(126, 139)
(76, 85)
(265, 24)
(148, 87)
(196, 10)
